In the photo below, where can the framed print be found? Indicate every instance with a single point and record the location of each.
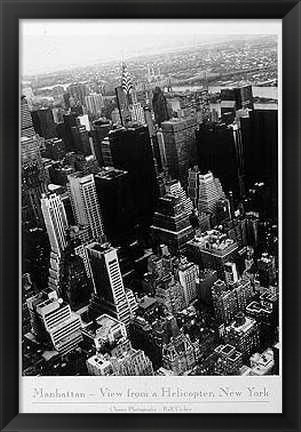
(150, 219)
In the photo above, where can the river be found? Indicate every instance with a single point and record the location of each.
(265, 92)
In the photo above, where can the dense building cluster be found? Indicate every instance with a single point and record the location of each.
(150, 239)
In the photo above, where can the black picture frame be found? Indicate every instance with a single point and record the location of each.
(13, 10)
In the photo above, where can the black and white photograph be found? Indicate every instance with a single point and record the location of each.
(150, 190)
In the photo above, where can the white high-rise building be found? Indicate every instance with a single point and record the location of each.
(189, 279)
(94, 103)
(51, 316)
(231, 274)
(85, 203)
(56, 222)
(174, 187)
(108, 282)
(204, 190)
(162, 149)
(137, 113)
(210, 191)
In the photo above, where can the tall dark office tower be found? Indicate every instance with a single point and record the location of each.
(262, 159)
(110, 295)
(160, 107)
(217, 152)
(101, 129)
(179, 138)
(43, 123)
(105, 146)
(75, 288)
(131, 151)
(81, 141)
(64, 130)
(115, 199)
(149, 121)
(171, 223)
(27, 129)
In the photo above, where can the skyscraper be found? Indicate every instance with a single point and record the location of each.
(115, 198)
(55, 221)
(193, 185)
(34, 176)
(43, 123)
(188, 274)
(231, 274)
(137, 113)
(162, 149)
(106, 153)
(101, 128)
(85, 203)
(110, 295)
(210, 192)
(179, 137)
(129, 107)
(216, 150)
(174, 187)
(78, 91)
(52, 321)
(131, 151)
(171, 224)
(27, 129)
(159, 103)
(122, 104)
(208, 196)
(94, 103)
(81, 142)
(75, 287)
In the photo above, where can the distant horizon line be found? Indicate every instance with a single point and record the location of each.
(160, 51)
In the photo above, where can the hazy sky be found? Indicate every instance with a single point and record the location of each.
(51, 45)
